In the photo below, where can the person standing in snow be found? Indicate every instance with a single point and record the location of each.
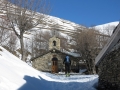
(67, 63)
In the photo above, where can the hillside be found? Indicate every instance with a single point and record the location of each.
(64, 26)
(107, 28)
(49, 23)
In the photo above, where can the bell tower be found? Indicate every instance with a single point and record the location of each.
(54, 43)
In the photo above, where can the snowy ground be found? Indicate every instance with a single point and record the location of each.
(17, 75)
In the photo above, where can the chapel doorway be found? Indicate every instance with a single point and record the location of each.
(54, 64)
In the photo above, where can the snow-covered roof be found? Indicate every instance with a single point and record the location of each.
(76, 55)
(73, 54)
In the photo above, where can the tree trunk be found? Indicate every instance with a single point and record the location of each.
(22, 47)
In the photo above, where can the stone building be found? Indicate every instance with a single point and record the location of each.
(108, 63)
(44, 62)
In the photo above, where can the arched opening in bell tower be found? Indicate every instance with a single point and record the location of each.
(54, 43)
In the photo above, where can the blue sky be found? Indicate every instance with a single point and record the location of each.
(86, 12)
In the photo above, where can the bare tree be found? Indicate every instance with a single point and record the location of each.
(22, 16)
(47, 35)
(64, 43)
(108, 29)
(40, 43)
(86, 43)
(12, 42)
(4, 32)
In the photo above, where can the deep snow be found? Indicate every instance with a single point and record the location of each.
(18, 75)
(107, 28)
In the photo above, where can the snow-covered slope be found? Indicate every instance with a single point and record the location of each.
(17, 75)
(107, 28)
(61, 23)
(50, 23)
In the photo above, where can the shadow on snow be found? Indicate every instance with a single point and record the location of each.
(33, 83)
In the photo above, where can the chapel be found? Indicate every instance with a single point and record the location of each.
(44, 62)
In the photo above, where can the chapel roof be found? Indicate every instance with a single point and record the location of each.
(75, 55)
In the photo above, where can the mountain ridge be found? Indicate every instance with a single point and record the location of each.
(107, 28)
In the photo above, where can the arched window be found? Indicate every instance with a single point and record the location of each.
(54, 43)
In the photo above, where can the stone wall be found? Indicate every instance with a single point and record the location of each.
(109, 70)
(41, 63)
(44, 62)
